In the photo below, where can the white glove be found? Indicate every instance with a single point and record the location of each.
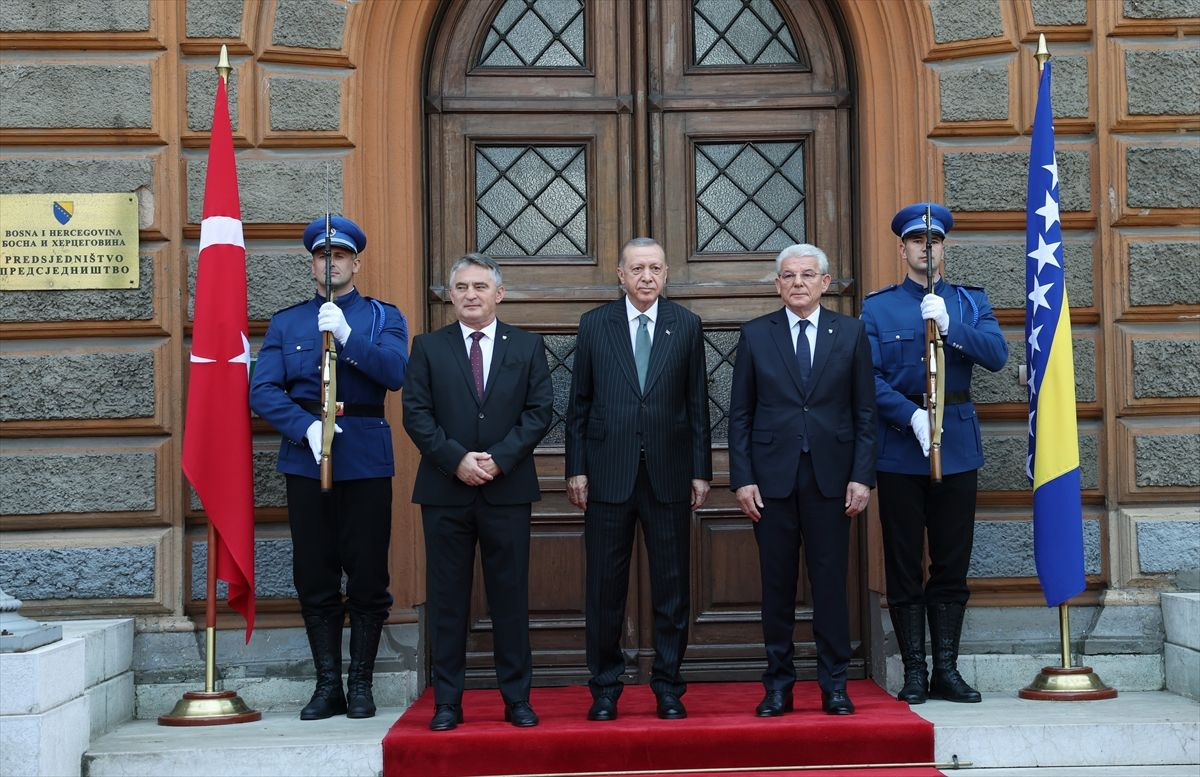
(332, 319)
(933, 308)
(920, 427)
(313, 435)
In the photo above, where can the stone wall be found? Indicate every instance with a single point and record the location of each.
(117, 96)
(1132, 255)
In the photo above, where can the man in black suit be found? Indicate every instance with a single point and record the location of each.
(638, 451)
(802, 463)
(477, 402)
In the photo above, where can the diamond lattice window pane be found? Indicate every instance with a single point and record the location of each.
(536, 33)
(738, 33)
(720, 347)
(531, 200)
(749, 196)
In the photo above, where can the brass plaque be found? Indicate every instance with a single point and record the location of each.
(68, 241)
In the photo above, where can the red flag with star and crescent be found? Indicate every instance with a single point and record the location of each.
(216, 438)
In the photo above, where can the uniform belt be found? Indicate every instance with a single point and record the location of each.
(344, 408)
(952, 398)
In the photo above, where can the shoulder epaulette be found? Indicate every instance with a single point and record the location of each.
(880, 291)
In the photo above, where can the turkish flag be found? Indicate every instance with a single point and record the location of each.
(216, 437)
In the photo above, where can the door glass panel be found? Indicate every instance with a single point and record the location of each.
(536, 33)
(720, 346)
(740, 32)
(531, 200)
(749, 196)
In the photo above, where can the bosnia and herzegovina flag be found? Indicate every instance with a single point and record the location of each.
(1053, 461)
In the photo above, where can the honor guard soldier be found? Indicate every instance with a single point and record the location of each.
(345, 529)
(913, 505)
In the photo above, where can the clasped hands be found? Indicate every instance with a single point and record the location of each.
(477, 468)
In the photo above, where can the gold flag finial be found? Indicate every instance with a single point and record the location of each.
(1043, 53)
(223, 68)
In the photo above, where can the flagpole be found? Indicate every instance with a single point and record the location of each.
(211, 707)
(1066, 682)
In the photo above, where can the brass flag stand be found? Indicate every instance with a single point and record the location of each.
(211, 707)
(1066, 682)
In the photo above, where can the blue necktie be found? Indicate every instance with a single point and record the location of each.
(804, 361)
(803, 355)
(641, 350)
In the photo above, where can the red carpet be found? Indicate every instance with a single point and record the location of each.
(720, 732)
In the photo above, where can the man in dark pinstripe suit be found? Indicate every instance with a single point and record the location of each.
(638, 450)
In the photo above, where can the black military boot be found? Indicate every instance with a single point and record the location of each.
(945, 627)
(364, 644)
(908, 621)
(325, 640)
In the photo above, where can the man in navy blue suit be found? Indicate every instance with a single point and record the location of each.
(347, 530)
(802, 464)
(910, 504)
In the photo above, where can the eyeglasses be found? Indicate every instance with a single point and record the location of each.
(639, 269)
(808, 276)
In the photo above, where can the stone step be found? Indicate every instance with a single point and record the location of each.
(273, 694)
(1134, 729)
(1008, 672)
(1181, 649)
(1136, 734)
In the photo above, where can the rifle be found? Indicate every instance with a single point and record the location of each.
(328, 378)
(935, 376)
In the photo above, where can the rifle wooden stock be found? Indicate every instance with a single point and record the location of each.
(328, 377)
(935, 376)
(934, 395)
(328, 409)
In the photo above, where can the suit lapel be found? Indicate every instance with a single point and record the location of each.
(458, 348)
(781, 334)
(499, 349)
(664, 331)
(621, 347)
(827, 332)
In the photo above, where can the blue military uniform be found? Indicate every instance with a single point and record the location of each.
(348, 529)
(897, 335)
(287, 384)
(913, 508)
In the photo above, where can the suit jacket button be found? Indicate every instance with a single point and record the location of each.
(481, 416)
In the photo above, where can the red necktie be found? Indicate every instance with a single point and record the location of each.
(477, 363)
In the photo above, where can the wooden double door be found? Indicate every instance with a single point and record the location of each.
(558, 130)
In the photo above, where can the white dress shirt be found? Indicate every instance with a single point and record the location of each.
(632, 314)
(486, 344)
(814, 319)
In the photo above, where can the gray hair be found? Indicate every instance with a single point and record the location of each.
(638, 242)
(801, 250)
(477, 260)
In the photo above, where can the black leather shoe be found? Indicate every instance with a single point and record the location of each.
(603, 708)
(520, 714)
(446, 717)
(670, 707)
(837, 702)
(774, 704)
